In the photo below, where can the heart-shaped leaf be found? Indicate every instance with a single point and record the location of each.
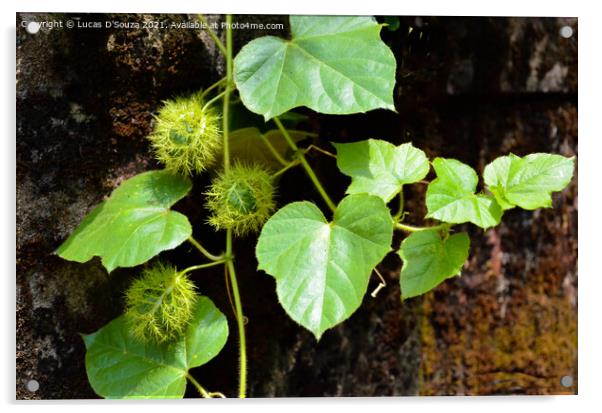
(451, 196)
(322, 268)
(529, 181)
(380, 168)
(120, 366)
(134, 224)
(335, 65)
(429, 259)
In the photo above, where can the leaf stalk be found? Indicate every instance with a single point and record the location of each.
(411, 228)
(204, 251)
(308, 169)
(201, 266)
(213, 36)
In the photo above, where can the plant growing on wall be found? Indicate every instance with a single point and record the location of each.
(321, 261)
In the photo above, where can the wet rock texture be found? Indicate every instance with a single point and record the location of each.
(469, 88)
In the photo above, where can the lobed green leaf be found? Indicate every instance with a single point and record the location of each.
(429, 259)
(334, 65)
(451, 196)
(379, 168)
(322, 268)
(528, 182)
(120, 366)
(134, 224)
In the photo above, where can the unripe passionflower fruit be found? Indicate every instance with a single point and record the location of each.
(159, 304)
(241, 199)
(187, 136)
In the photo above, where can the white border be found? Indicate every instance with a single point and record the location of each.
(338, 7)
(590, 174)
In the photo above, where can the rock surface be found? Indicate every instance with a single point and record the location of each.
(470, 88)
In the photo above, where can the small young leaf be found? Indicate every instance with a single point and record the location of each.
(529, 181)
(380, 168)
(428, 260)
(335, 65)
(248, 146)
(120, 366)
(322, 268)
(451, 196)
(134, 224)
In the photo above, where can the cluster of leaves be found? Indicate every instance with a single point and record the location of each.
(322, 266)
(168, 328)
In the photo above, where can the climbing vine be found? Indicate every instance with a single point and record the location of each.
(321, 261)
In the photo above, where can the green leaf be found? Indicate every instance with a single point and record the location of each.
(241, 117)
(322, 268)
(334, 65)
(529, 181)
(134, 224)
(451, 196)
(380, 168)
(428, 260)
(291, 119)
(247, 145)
(120, 366)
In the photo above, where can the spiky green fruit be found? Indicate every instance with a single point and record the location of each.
(159, 304)
(241, 199)
(187, 136)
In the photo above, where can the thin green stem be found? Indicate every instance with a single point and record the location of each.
(242, 384)
(275, 153)
(213, 36)
(286, 168)
(410, 228)
(308, 169)
(201, 266)
(204, 393)
(214, 99)
(204, 251)
(324, 151)
(240, 321)
(213, 86)
(317, 183)
(229, 81)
